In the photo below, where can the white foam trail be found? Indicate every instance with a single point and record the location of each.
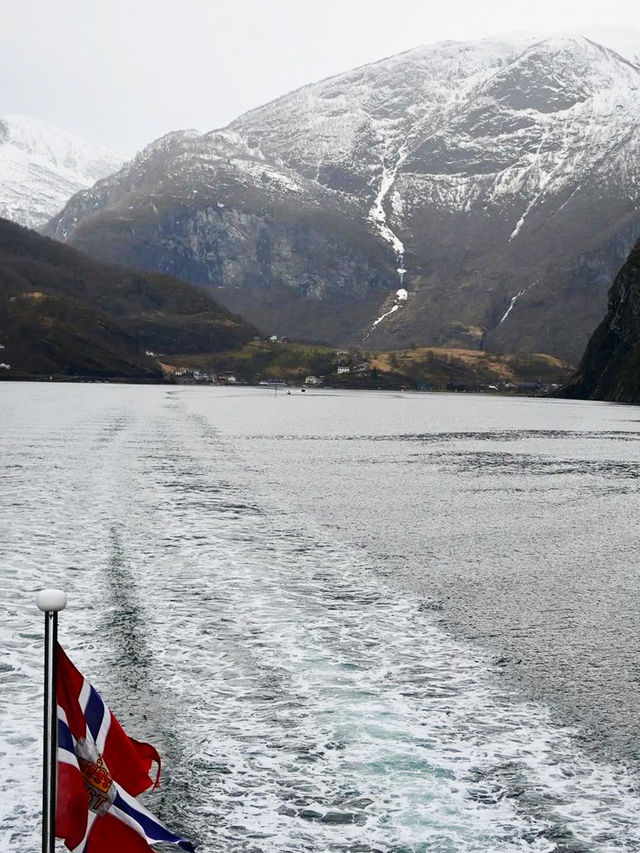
(300, 702)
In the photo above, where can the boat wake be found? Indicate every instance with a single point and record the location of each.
(302, 702)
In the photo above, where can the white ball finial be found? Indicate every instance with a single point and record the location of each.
(51, 600)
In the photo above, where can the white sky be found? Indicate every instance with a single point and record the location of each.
(124, 72)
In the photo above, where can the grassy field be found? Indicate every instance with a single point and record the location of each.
(433, 367)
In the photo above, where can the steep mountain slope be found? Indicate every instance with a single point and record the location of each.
(41, 167)
(273, 245)
(478, 193)
(63, 313)
(610, 368)
(622, 40)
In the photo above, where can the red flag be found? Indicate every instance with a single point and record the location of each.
(101, 770)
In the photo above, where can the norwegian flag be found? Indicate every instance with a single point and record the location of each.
(101, 771)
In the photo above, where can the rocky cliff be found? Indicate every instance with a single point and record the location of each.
(610, 368)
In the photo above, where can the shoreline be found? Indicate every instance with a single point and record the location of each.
(542, 391)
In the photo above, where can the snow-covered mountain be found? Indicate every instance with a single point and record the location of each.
(41, 167)
(623, 40)
(479, 193)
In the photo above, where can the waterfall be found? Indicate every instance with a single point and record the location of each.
(378, 217)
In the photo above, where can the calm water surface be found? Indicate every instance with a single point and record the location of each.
(350, 621)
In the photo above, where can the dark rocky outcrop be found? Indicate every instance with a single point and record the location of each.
(610, 367)
(63, 313)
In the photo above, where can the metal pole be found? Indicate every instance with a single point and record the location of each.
(50, 740)
(51, 601)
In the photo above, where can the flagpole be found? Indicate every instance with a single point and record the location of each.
(51, 602)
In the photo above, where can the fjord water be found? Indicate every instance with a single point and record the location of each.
(349, 621)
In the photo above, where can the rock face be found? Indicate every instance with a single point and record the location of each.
(41, 167)
(270, 244)
(64, 313)
(610, 368)
(474, 194)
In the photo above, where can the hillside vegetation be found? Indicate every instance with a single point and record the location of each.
(435, 368)
(65, 314)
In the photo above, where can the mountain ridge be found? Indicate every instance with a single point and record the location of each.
(41, 167)
(468, 168)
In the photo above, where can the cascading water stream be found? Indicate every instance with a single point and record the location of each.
(514, 299)
(378, 217)
(401, 270)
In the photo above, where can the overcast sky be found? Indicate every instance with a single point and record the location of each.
(124, 72)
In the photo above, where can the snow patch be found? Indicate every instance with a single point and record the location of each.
(397, 203)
